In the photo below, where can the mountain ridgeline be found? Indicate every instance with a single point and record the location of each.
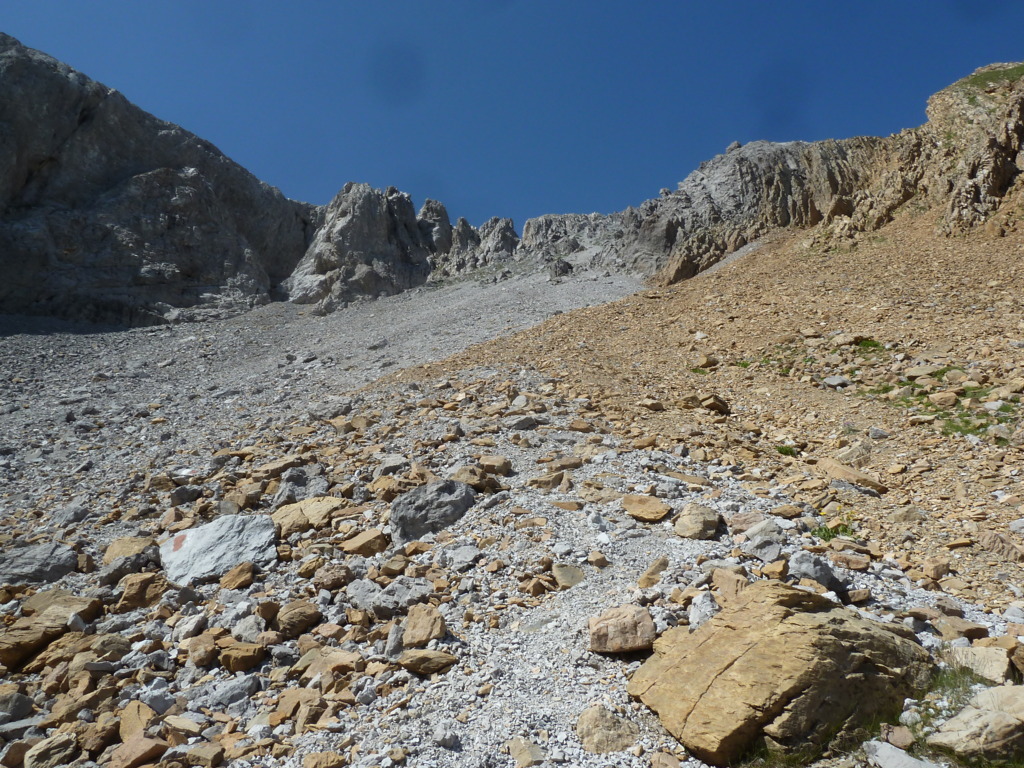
(110, 214)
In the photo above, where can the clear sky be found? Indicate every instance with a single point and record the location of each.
(517, 107)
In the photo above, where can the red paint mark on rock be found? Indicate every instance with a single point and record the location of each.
(179, 542)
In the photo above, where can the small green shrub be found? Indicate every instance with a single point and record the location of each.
(825, 533)
(786, 450)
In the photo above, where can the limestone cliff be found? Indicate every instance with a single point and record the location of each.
(107, 213)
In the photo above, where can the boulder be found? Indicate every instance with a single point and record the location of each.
(210, 551)
(37, 564)
(601, 731)
(698, 521)
(624, 629)
(311, 513)
(779, 665)
(647, 509)
(53, 752)
(990, 727)
(425, 623)
(429, 509)
(424, 662)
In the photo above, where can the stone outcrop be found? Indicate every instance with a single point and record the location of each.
(370, 244)
(495, 243)
(110, 214)
(778, 665)
(964, 162)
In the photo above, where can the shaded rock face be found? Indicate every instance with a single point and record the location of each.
(109, 214)
(778, 666)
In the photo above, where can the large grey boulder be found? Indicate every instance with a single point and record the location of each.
(429, 509)
(37, 564)
(110, 214)
(209, 551)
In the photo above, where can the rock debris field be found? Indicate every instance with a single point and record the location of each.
(220, 547)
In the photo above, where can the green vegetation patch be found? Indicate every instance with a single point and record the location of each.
(984, 79)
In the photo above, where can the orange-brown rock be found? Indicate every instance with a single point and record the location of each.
(778, 664)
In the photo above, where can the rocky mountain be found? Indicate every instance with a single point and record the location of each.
(110, 214)
(107, 213)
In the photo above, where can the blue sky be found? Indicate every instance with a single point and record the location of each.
(516, 108)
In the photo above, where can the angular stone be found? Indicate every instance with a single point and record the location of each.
(992, 663)
(37, 564)
(367, 543)
(697, 521)
(209, 551)
(777, 663)
(126, 546)
(296, 617)
(423, 624)
(624, 629)
(30, 634)
(137, 751)
(332, 576)
(496, 465)
(53, 752)
(324, 760)
(652, 575)
(140, 590)
(600, 731)
(315, 513)
(205, 755)
(567, 576)
(647, 509)
(953, 627)
(838, 471)
(239, 577)
(241, 657)
(524, 752)
(990, 727)
(333, 661)
(202, 650)
(429, 509)
(136, 717)
(424, 662)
